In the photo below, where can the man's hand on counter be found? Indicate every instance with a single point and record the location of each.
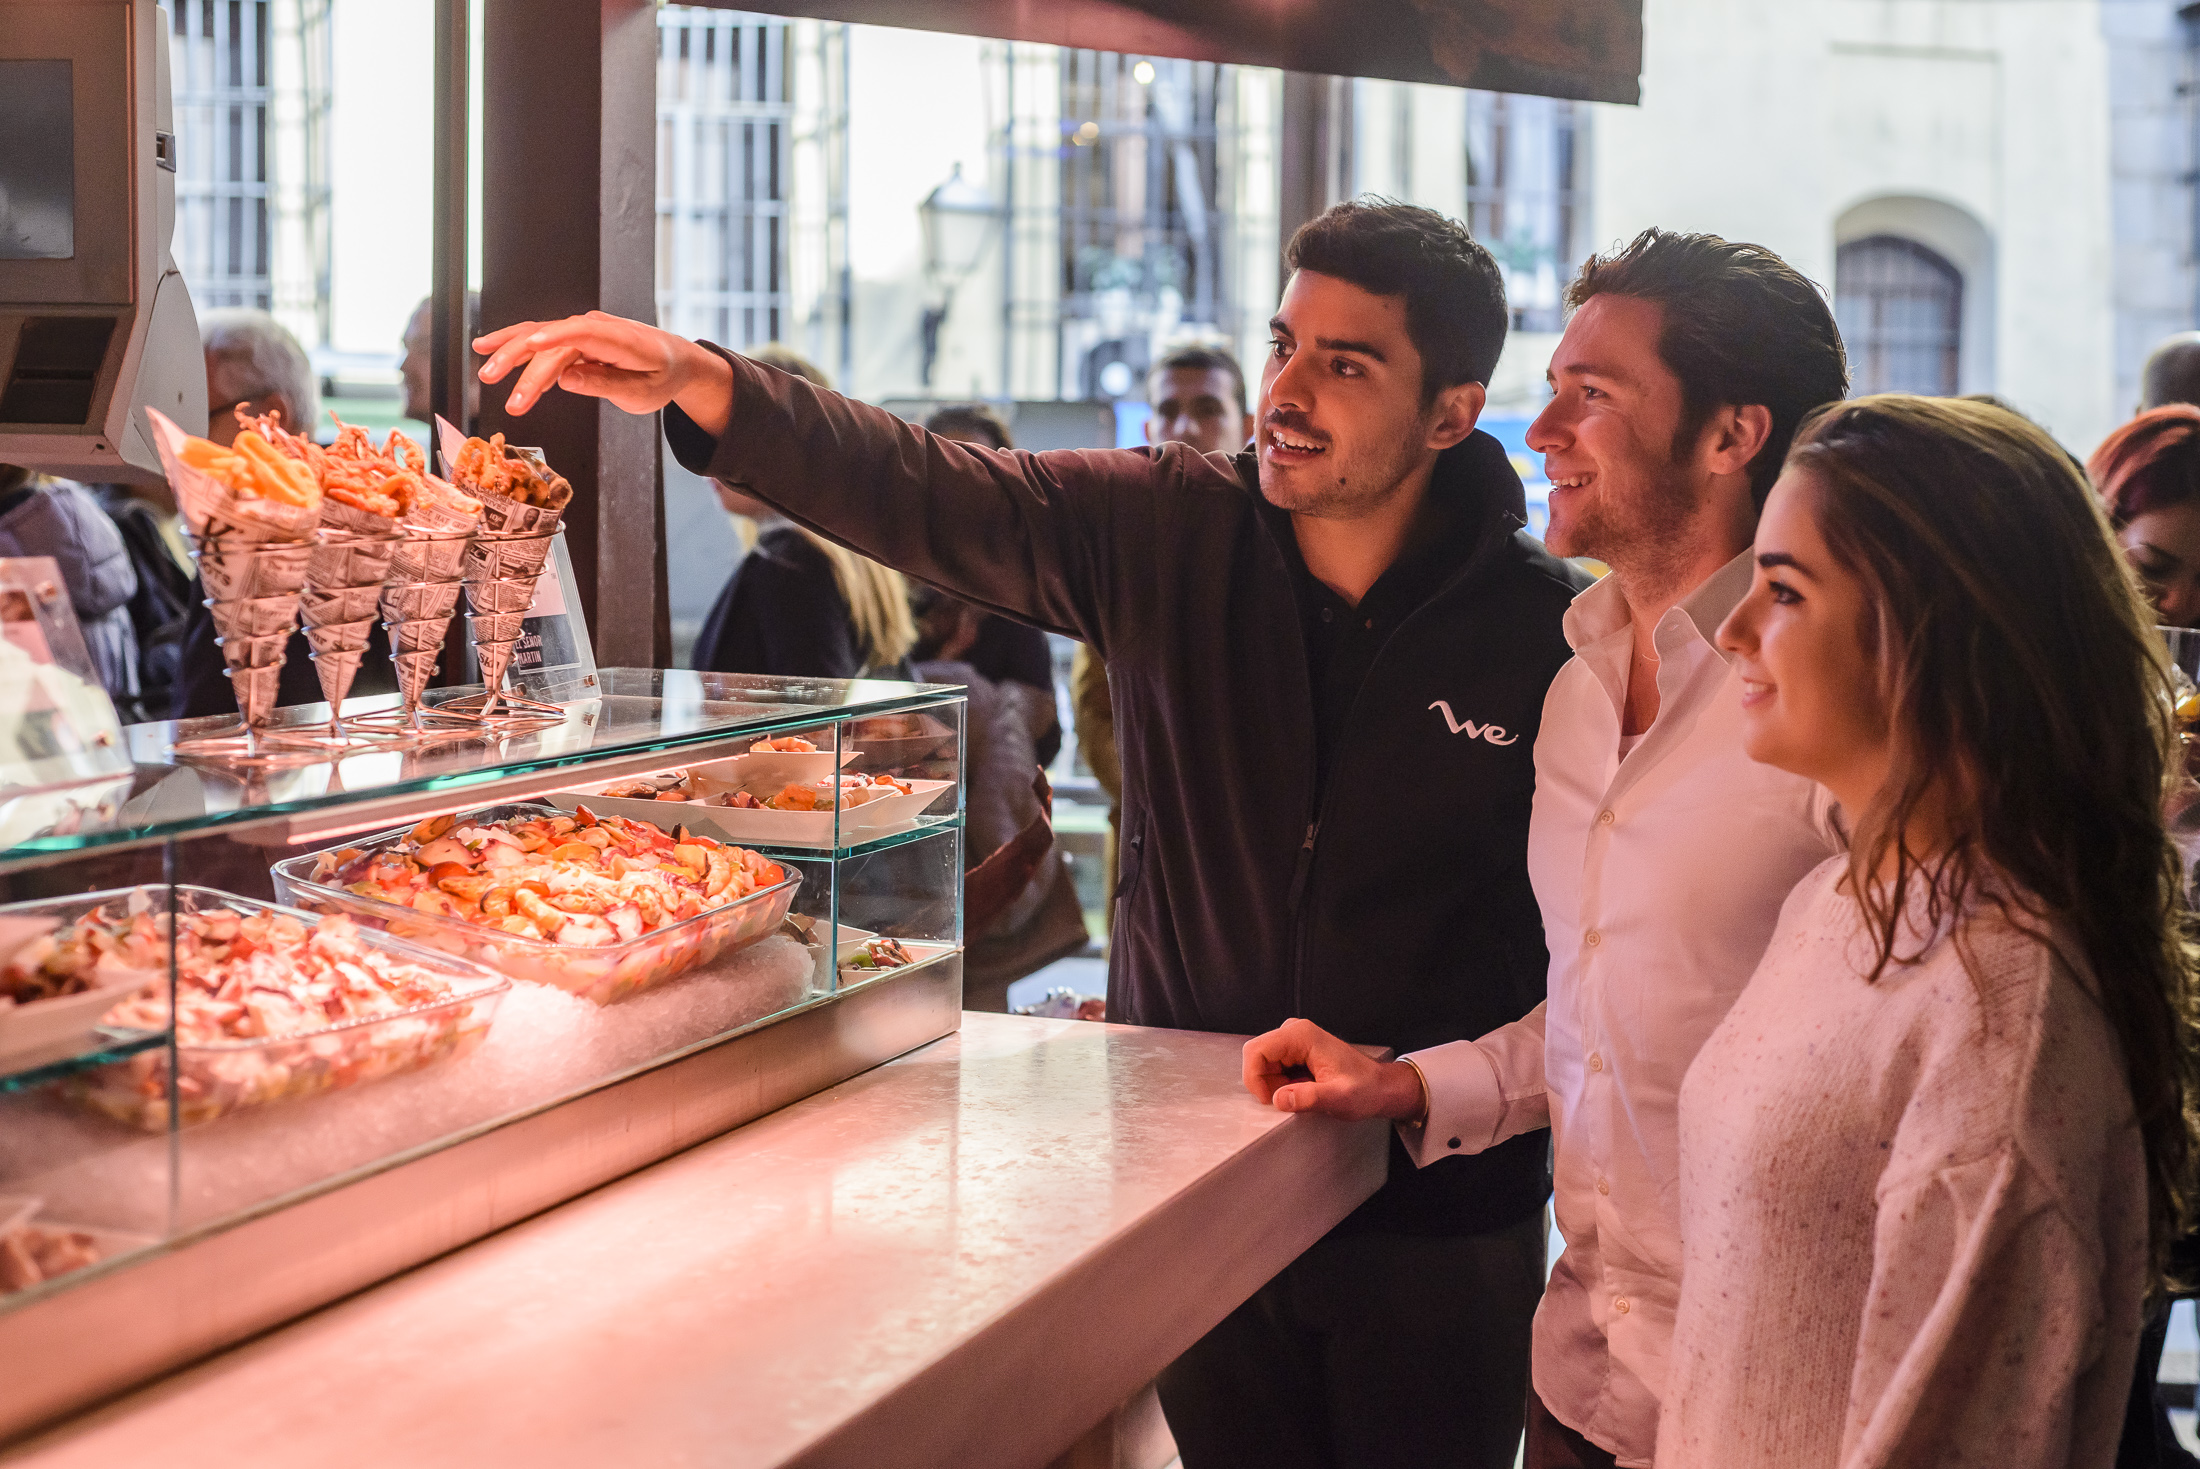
(637, 368)
(1299, 1067)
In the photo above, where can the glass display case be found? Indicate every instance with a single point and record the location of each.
(268, 1035)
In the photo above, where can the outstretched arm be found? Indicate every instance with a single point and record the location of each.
(1077, 541)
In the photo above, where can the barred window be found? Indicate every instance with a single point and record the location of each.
(1524, 197)
(1900, 308)
(219, 65)
(724, 131)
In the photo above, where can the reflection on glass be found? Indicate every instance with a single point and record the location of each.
(37, 162)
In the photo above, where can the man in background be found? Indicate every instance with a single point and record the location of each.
(1198, 398)
(419, 343)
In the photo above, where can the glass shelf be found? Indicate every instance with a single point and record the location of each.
(925, 826)
(627, 712)
(36, 1068)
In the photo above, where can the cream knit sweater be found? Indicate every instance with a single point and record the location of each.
(1913, 1213)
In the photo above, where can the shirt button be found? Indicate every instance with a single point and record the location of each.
(1603, 1187)
(1371, 624)
(1621, 1306)
(1605, 818)
(1596, 1062)
(1329, 614)
(1592, 938)
(1453, 1143)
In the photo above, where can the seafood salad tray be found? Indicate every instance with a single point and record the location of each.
(269, 1003)
(600, 907)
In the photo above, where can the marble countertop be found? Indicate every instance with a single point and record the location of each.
(967, 1256)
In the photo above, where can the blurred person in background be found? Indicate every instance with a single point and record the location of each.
(60, 518)
(254, 366)
(2148, 476)
(2172, 372)
(1002, 650)
(1197, 395)
(1044, 921)
(419, 344)
(797, 605)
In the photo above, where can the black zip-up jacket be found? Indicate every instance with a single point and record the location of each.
(1399, 913)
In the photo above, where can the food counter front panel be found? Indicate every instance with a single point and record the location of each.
(270, 1035)
(967, 1256)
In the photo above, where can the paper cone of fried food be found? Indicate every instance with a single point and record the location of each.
(237, 569)
(255, 617)
(343, 588)
(500, 594)
(419, 601)
(250, 490)
(496, 627)
(494, 658)
(255, 689)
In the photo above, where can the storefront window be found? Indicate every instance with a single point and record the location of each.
(1900, 307)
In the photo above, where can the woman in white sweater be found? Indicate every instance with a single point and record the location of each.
(1932, 1157)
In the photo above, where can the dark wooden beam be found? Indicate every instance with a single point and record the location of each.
(569, 224)
(450, 360)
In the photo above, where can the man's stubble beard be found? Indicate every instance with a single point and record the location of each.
(1644, 539)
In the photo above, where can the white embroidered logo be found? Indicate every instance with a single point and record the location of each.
(1494, 733)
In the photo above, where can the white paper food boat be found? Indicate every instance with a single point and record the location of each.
(766, 827)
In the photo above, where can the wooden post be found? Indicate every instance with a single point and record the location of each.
(569, 224)
(1314, 156)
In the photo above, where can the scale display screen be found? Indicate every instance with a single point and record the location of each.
(37, 162)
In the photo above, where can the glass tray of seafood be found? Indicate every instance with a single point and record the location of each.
(601, 907)
(270, 1003)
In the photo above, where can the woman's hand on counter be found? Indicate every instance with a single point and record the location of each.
(1299, 1067)
(635, 367)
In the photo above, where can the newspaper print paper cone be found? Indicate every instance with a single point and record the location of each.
(500, 594)
(419, 601)
(415, 669)
(496, 627)
(255, 689)
(494, 659)
(237, 570)
(257, 617)
(254, 630)
(344, 580)
(518, 558)
(321, 608)
(211, 508)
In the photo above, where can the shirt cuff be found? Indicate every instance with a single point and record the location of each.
(1465, 1102)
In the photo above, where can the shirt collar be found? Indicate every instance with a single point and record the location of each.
(1602, 609)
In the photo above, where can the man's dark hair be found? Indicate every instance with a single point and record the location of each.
(1201, 359)
(1742, 326)
(1455, 296)
(971, 419)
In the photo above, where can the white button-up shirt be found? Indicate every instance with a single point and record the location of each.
(1660, 878)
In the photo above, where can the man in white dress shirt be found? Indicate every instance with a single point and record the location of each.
(1660, 853)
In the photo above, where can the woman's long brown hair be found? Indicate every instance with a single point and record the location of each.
(2031, 711)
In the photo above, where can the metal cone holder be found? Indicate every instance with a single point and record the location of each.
(343, 590)
(418, 601)
(502, 568)
(252, 554)
(255, 586)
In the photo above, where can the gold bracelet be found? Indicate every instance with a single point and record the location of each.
(1421, 1076)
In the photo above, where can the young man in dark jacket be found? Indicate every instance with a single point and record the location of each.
(1329, 654)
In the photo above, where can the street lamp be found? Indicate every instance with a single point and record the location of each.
(958, 219)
